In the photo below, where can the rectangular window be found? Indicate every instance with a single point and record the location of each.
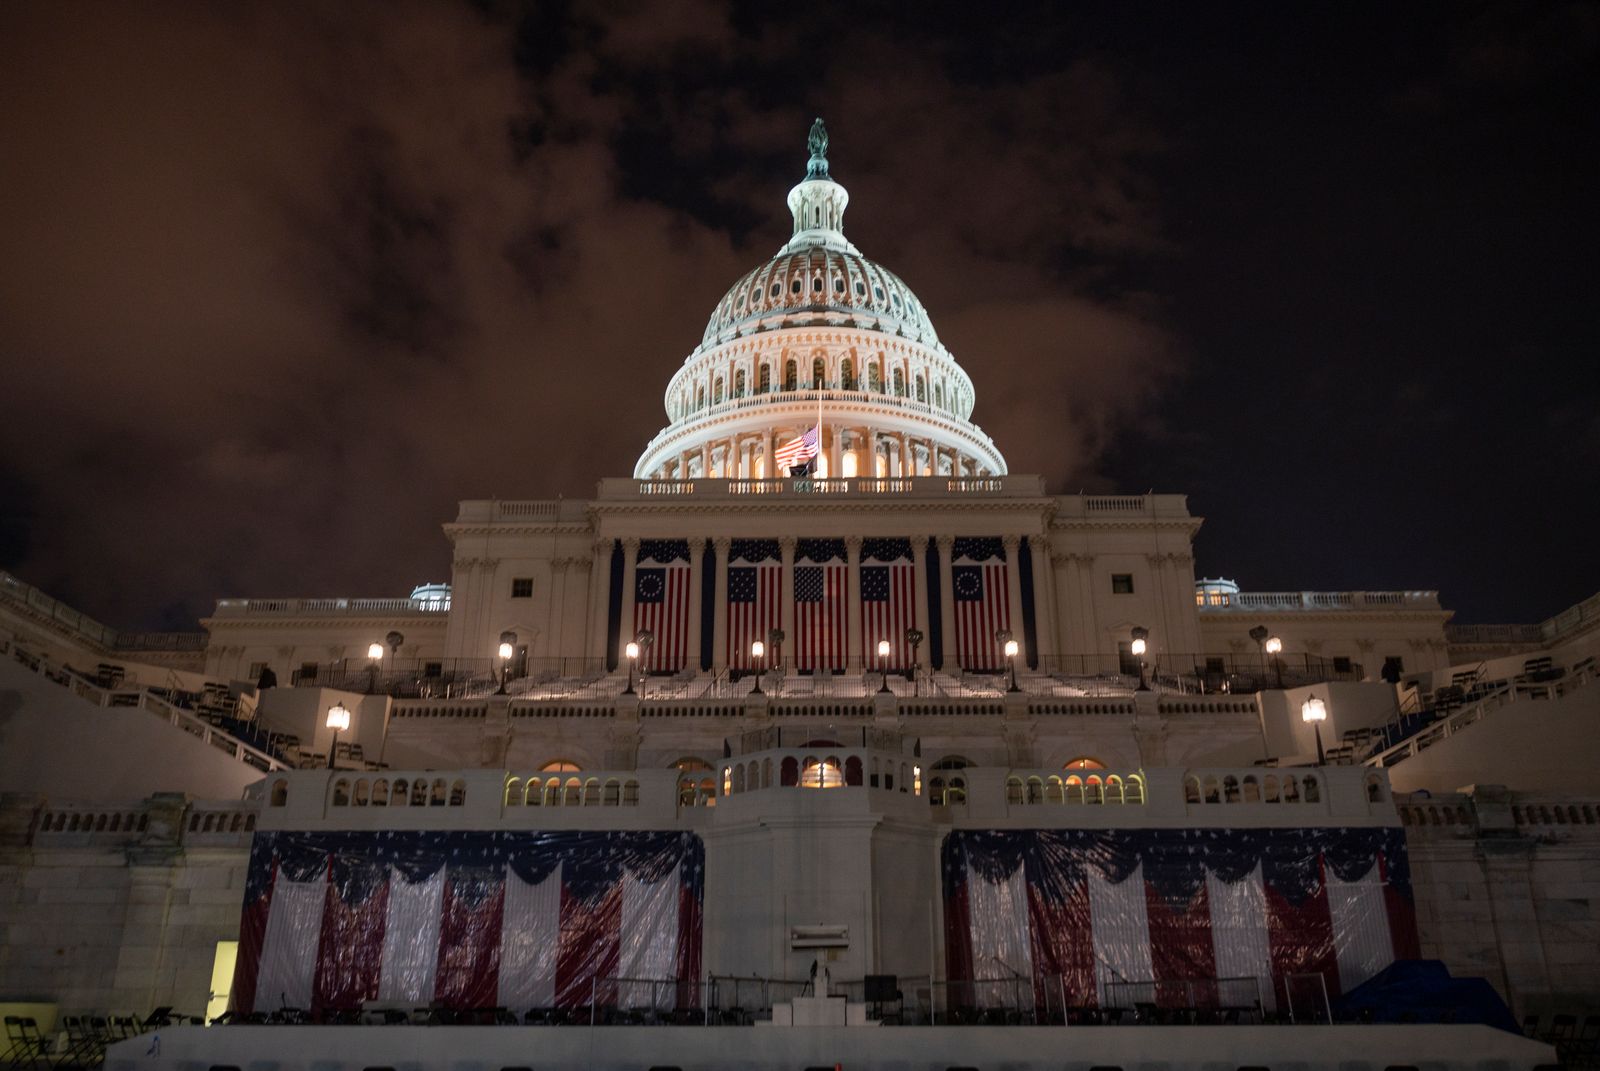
(1126, 663)
(1122, 583)
(522, 587)
(255, 670)
(1341, 664)
(308, 671)
(1215, 667)
(433, 669)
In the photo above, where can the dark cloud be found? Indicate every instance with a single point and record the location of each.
(280, 283)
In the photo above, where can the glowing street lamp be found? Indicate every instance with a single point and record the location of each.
(1009, 645)
(1273, 647)
(632, 651)
(758, 655)
(374, 659)
(1140, 634)
(1315, 711)
(883, 664)
(506, 651)
(338, 721)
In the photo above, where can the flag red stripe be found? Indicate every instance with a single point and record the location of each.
(252, 935)
(889, 620)
(1181, 949)
(468, 975)
(350, 950)
(1402, 916)
(1063, 945)
(1300, 938)
(590, 946)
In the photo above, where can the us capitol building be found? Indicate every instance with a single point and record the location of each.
(823, 718)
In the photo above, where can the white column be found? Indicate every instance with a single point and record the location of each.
(630, 565)
(599, 598)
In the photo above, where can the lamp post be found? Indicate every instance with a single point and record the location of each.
(632, 651)
(1140, 634)
(374, 659)
(1259, 634)
(914, 638)
(338, 720)
(883, 664)
(506, 651)
(1010, 647)
(1273, 647)
(1315, 711)
(758, 654)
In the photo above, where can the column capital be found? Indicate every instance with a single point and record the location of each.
(946, 544)
(1011, 542)
(1039, 544)
(631, 545)
(852, 543)
(603, 546)
(787, 544)
(919, 543)
(723, 545)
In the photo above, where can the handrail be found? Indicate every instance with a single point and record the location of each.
(24, 595)
(1474, 712)
(146, 700)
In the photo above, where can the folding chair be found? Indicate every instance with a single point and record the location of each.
(27, 1048)
(83, 1048)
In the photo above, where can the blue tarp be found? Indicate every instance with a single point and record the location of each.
(1422, 991)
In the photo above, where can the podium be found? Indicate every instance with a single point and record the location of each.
(820, 1011)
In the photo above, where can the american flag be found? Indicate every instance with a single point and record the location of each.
(467, 919)
(982, 603)
(888, 601)
(820, 616)
(661, 604)
(755, 599)
(796, 451)
(1082, 910)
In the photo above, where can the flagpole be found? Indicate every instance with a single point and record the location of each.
(819, 425)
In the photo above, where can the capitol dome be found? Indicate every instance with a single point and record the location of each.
(820, 336)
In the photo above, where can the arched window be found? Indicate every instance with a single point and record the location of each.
(1084, 762)
(716, 391)
(533, 794)
(852, 771)
(738, 383)
(437, 797)
(789, 773)
(401, 788)
(360, 797)
(819, 373)
(513, 797)
(764, 379)
(1014, 790)
(699, 398)
(847, 375)
(573, 796)
(560, 766)
(591, 792)
(613, 793)
(690, 764)
(280, 793)
(874, 377)
(938, 395)
(341, 793)
(791, 376)
(922, 388)
(899, 383)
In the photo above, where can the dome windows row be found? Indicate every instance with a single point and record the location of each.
(920, 386)
(846, 283)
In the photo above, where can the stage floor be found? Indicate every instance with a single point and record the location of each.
(1025, 1048)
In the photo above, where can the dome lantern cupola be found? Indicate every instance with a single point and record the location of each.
(818, 202)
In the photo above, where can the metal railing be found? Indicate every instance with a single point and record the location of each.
(328, 607)
(35, 603)
(145, 699)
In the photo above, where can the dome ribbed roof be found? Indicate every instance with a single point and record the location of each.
(819, 286)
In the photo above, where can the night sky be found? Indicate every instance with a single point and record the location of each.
(281, 283)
